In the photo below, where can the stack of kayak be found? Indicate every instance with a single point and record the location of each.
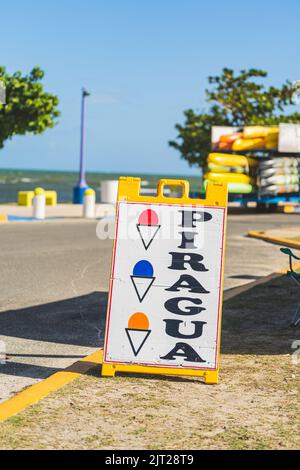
(250, 138)
(277, 175)
(238, 171)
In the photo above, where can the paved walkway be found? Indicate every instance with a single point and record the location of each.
(60, 211)
(248, 259)
(55, 280)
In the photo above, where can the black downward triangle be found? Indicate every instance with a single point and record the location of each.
(136, 290)
(146, 246)
(131, 344)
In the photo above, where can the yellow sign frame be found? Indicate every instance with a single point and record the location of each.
(216, 196)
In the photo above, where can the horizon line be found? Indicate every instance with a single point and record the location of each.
(98, 171)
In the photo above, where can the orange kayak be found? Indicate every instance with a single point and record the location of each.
(230, 138)
(224, 146)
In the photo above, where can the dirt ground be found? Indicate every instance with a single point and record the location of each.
(255, 406)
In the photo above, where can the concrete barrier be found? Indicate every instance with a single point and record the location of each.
(39, 204)
(25, 198)
(109, 191)
(89, 204)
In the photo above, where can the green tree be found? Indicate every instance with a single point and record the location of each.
(236, 100)
(28, 108)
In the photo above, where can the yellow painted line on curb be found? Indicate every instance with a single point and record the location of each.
(40, 390)
(277, 240)
(296, 267)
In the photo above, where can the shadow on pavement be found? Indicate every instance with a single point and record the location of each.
(18, 369)
(77, 321)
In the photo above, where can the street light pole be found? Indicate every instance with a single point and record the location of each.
(78, 190)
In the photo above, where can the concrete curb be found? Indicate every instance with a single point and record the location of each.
(261, 235)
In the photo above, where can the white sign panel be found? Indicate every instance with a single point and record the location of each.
(164, 306)
(289, 138)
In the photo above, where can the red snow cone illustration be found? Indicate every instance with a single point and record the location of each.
(148, 226)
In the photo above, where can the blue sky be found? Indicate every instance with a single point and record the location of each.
(144, 63)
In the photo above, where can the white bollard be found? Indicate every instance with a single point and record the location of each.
(89, 204)
(39, 204)
(109, 191)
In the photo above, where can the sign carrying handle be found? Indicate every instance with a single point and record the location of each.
(185, 185)
(129, 190)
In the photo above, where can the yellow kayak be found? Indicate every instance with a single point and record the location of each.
(272, 132)
(237, 188)
(228, 177)
(240, 188)
(249, 144)
(253, 132)
(272, 144)
(225, 169)
(230, 160)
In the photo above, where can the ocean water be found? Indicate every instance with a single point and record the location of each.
(12, 181)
